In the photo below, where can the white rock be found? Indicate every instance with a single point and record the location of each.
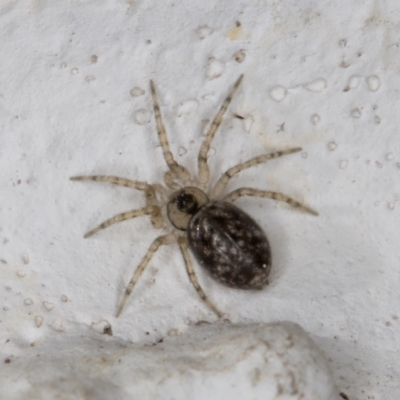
(256, 361)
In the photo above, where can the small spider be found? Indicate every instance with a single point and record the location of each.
(224, 239)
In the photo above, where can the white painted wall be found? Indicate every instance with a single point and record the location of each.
(74, 99)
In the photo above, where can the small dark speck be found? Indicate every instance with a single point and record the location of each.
(7, 360)
(148, 41)
(344, 396)
(238, 24)
(281, 127)
(201, 322)
(107, 330)
(94, 59)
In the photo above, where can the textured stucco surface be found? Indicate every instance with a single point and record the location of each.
(74, 99)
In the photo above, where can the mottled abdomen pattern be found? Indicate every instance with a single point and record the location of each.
(230, 245)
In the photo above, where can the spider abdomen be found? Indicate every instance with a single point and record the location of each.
(230, 245)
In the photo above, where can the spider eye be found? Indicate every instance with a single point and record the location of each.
(187, 203)
(183, 204)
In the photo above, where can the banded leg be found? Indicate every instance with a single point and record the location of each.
(183, 244)
(123, 217)
(160, 190)
(151, 201)
(161, 240)
(177, 170)
(231, 197)
(223, 181)
(115, 180)
(204, 172)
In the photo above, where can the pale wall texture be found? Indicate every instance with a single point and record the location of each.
(74, 99)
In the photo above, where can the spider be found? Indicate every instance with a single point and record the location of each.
(224, 239)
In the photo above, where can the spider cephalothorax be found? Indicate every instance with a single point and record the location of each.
(226, 241)
(183, 204)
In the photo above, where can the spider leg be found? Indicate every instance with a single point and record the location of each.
(123, 217)
(151, 201)
(169, 179)
(161, 240)
(231, 197)
(177, 170)
(160, 190)
(204, 172)
(115, 180)
(183, 244)
(150, 192)
(224, 179)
